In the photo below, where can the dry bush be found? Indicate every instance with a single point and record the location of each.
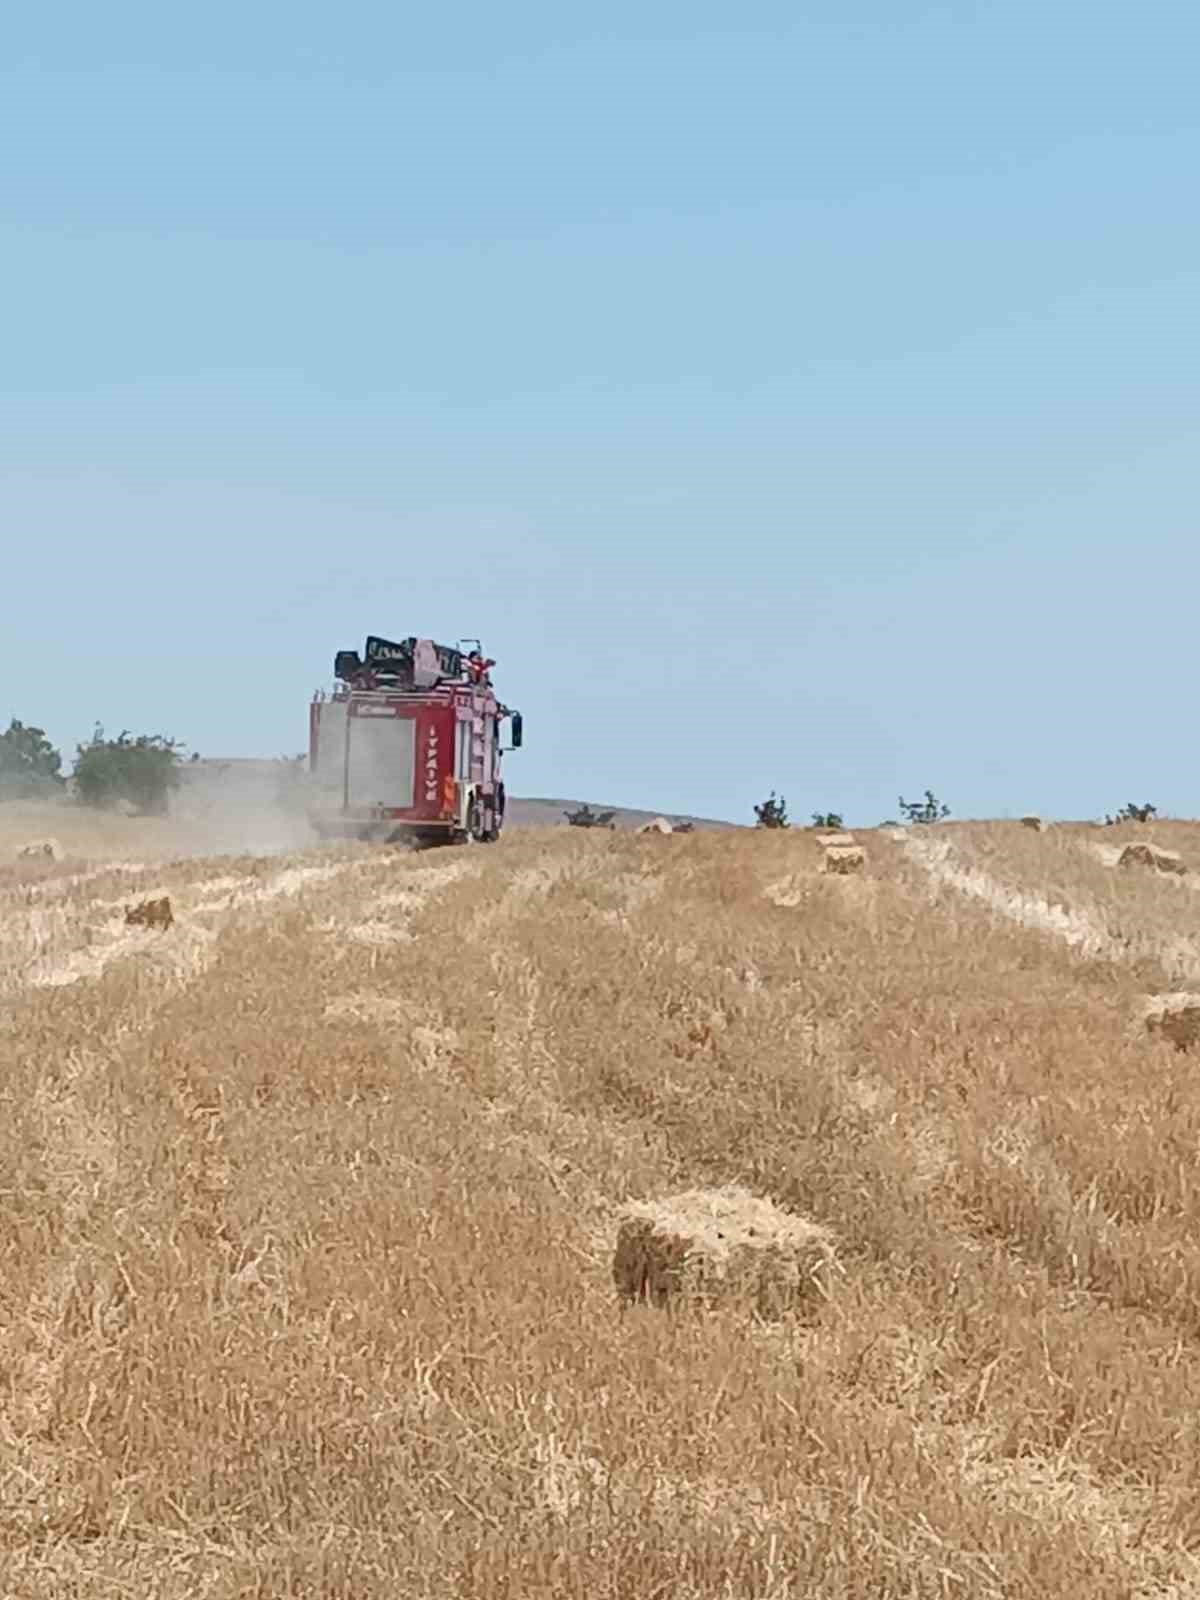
(308, 1283)
(1141, 853)
(1175, 1017)
(151, 913)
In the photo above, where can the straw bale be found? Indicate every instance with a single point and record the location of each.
(1175, 1017)
(837, 841)
(845, 859)
(788, 892)
(1143, 853)
(151, 914)
(711, 1244)
(41, 849)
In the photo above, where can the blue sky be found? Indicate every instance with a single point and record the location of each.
(797, 396)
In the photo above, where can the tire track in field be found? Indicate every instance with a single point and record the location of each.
(1036, 1481)
(383, 919)
(1078, 929)
(80, 1141)
(31, 956)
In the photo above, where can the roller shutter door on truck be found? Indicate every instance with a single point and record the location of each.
(381, 761)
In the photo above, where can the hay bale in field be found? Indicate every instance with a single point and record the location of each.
(837, 841)
(1175, 1017)
(659, 825)
(1032, 822)
(845, 860)
(787, 892)
(40, 850)
(711, 1244)
(1142, 853)
(151, 914)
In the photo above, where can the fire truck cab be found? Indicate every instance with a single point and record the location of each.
(408, 745)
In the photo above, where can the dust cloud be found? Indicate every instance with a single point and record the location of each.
(242, 807)
(235, 807)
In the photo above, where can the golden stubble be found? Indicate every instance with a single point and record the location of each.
(308, 1272)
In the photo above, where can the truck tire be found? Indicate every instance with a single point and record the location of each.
(474, 833)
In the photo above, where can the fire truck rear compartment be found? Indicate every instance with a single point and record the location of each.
(380, 762)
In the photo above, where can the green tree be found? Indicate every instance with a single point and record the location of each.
(139, 770)
(29, 763)
(772, 813)
(925, 811)
(1133, 813)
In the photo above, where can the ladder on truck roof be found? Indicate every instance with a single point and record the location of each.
(411, 663)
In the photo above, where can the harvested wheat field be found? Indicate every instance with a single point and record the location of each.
(312, 1196)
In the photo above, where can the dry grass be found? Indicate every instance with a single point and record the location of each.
(307, 1285)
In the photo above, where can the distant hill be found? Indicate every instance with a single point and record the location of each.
(542, 813)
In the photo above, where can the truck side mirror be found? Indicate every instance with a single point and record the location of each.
(516, 730)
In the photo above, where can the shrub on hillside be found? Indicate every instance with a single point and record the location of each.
(928, 810)
(828, 819)
(140, 771)
(585, 817)
(29, 764)
(1132, 813)
(772, 813)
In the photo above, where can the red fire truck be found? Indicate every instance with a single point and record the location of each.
(408, 745)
